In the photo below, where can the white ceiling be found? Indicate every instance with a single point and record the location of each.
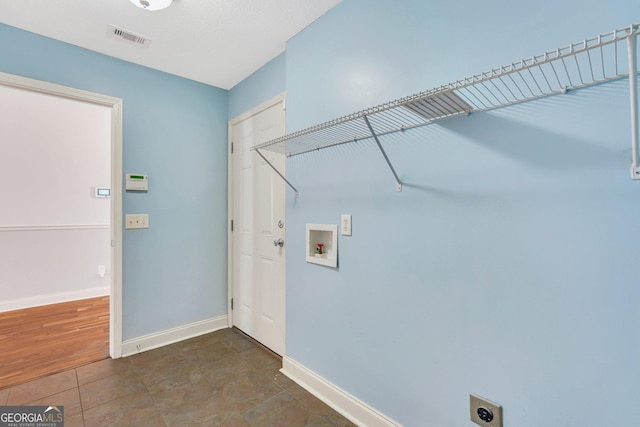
(218, 42)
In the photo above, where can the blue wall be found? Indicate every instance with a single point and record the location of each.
(259, 87)
(175, 130)
(507, 266)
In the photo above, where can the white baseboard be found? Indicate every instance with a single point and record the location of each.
(170, 336)
(37, 301)
(350, 407)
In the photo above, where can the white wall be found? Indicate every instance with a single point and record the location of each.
(53, 232)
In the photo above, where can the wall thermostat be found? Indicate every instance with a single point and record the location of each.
(137, 182)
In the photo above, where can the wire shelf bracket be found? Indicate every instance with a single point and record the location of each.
(583, 64)
(384, 154)
(633, 97)
(278, 172)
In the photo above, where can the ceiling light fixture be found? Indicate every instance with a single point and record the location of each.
(152, 4)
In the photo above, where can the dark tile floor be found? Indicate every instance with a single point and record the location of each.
(218, 379)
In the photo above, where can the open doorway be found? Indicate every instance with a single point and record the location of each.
(60, 251)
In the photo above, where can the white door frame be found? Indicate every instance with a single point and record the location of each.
(252, 112)
(115, 300)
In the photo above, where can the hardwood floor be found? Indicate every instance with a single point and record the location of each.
(40, 341)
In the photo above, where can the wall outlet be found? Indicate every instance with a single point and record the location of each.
(484, 412)
(345, 225)
(132, 221)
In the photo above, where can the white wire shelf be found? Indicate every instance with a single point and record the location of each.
(586, 63)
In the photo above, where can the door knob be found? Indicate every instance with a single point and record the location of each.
(278, 242)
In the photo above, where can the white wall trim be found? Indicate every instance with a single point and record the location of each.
(349, 406)
(21, 303)
(170, 336)
(54, 227)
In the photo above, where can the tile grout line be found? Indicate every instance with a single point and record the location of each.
(155, 404)
(79, 396)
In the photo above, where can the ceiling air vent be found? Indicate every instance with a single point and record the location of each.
(128, 36)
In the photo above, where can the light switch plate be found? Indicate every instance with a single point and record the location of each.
(133, 221)
(345, 225)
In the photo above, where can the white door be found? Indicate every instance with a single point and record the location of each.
(258, 214)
